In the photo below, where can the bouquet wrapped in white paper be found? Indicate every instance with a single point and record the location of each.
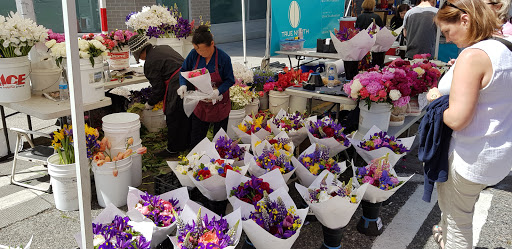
(377, 143)
(382, 179)
(354, 49)
(332, 202)
(244, 192)
(195, 228)
(27, 246)
(155, 211)
(230, 149)
(384, 39)
(201, 153)
(270, 159)
(279, 142)
(249, 126)
(313, 161)
(284, 215)
(328, 132)
(294, 124)
(201, 79)
(210, 178)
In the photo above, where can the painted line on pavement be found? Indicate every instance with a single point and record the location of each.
(407, 222)
(480, 216)
(21, 196)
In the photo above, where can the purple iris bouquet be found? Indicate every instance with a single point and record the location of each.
(382, 140)
(229, 148)
(205, 233)
(251, 191)
(118, 234)
(276, 218)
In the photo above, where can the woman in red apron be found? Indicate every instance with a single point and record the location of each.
(218, 63)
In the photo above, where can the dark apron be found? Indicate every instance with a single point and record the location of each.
(208, 112)
(167, 87)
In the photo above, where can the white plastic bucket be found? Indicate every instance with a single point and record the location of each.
(187, 46)
(136, 168)
(119, 59)
(110, 188)
(252, 107)
(378, 115)
(298, 104)
(64, 184)
(14, 79)
(118, 127)
(277, 101)
(92, 79)
(153, 120)
(235, 118)
(174, 43)
(45, 80)
(264, 102)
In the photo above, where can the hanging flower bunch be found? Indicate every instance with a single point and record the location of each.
(378, 173)
(160, 211)
(328, 191)
(18, 35)
(206, 233)
(287, 79)
(240, 96)
(258, 122)
(188, 163)
(251, 191)
(319, 160)
(215, 167)
(271, 159)
(120, 37)
(229, 148)
(290, 121)
(153, 16)
(327, 127)
(381, 139)
(58, 37)
(346, 34)
(276, 218)
(118, 234)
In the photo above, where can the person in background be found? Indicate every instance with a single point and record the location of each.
(501, 8)
(218, 63)
(398, 19)
(368, 16)
(420, 30)
(479, 113)
(161, 67)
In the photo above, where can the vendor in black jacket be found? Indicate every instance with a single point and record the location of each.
(161, 67)
(367, 17)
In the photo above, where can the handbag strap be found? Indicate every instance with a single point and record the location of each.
(505, 42)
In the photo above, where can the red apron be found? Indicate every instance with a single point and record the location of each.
(167, 87)
(207, 111)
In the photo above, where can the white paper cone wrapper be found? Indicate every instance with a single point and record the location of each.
(384, 39)
(334, 146)
(368, 156)
(354, 49)
(139, 221)
(189, 214)
(374, 194)
(214, 188)
(297, 136)
(255, 170)
(222, 133)
(107, 216)
(305, 176)
(336, 212)
(184, 180)
(191, 99)
(233, 180)
(202, 82)
(262, 239)
(246, 138)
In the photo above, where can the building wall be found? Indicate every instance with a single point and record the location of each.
(117, 10)
(200, 9)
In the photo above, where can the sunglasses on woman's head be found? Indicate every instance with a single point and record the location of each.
(446, 3)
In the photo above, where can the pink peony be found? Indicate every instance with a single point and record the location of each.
(368, 179)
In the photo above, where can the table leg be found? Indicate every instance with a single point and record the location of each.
(290, 59)
(337, 106)
(310, 105)
(6, 134)
(29, 121)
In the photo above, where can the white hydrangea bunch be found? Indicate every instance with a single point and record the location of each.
(240, 96)
(150, 16)
(242, 73)
(18, 35)
(88, 49)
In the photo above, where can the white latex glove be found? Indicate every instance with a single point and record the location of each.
(215, 95)
(148, 107)
(181, 91)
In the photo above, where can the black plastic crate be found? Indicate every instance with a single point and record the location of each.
(165, 183)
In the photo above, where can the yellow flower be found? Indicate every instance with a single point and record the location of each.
(314, 169)
(59, 136)
(257, 143)
(242, 127)
(306, 159)
(287, 147)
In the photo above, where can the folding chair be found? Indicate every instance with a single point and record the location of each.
(36, 154)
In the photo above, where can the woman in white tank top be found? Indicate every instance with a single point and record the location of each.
(479, 113)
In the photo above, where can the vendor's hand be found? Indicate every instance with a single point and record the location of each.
(433, 94)
(451, 62)
(181, 91)
(215, 95)
(148, 106)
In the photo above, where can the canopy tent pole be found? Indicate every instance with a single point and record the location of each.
(348, 7)
(266, 60)
(77, 116)
(244, 38)
(103, 16)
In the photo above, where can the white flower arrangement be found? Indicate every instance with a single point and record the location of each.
(150, 17)
(242, 73)
(240, 96)
(88, 49)
(18, 35)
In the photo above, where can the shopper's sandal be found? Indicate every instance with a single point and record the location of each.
(437, 232)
